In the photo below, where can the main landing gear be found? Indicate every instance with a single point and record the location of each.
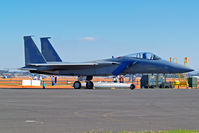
(89, 83)
(77, 85)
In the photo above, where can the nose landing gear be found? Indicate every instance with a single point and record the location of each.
(132, 87)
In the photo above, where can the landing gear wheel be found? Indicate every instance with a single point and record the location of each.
(132, 87)
(77, 85)
(89, 85)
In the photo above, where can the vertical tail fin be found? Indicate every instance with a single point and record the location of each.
(32, 53)
(48, 51)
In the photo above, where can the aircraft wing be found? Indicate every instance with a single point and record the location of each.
(68, 66)
(75, 64)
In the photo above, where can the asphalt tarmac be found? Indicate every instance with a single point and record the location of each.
(76, 111)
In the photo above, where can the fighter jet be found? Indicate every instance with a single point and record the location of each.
(138, 63)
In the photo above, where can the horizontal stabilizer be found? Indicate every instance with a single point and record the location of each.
(32, 53)
(27, 68)
(48, 51)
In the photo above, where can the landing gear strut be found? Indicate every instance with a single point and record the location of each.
(132, 78)
(89, 84)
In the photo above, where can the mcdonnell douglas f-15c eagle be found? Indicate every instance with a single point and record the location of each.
(50, 63)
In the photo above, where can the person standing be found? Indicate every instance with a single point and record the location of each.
(40, 77)
(53, 80)
(35, 77)
(44, 86)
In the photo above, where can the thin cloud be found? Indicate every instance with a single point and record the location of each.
(88, 38)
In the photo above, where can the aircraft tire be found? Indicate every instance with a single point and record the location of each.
(166, 86)
(77, 85)
(132, 87)
(89, 85)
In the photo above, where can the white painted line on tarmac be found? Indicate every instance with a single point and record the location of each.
(31, 121)
(34, 121)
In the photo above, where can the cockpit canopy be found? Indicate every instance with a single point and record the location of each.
(144, 55)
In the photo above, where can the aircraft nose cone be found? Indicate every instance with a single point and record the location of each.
(189, 70)
(176, 68)
(183, 69)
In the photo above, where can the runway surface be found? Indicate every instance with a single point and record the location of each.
(71, 111)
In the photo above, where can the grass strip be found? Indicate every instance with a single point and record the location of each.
(161, 131)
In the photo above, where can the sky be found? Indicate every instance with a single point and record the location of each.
(86, 30)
